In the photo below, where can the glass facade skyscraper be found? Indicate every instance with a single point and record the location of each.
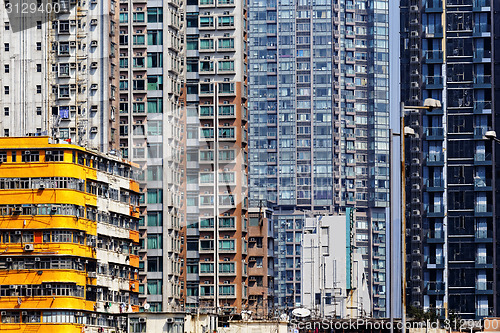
(319, 125)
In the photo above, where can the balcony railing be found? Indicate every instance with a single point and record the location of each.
(483, 208)
(434, 4)
(435, 182)
(434, 209)
(431, 80)
(435, 157)
(435, 286)
(484, 260)
(484, 312)
(435, 234)
(482, 79)
(482, 234)
(484, 285)
(434, 55)
(482, 3)
(434, 131)
(480, 182)
(481, 53)
(482, 157)
(435, 260)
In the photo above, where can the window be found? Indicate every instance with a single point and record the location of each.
(226, 110)
(226, 245)
(64, 69)
(38, 68)
(38, 46)
(6, 133)
(226, 155)
(155, 127)
(226, 222)
(6, 111)
(155, 196)
(138, 17)
(6, 47)
(155, 82)
(206, 22)
(206, 268)
(226, 43)
(206, 44)
(54, 155)
(155, 59)
(226, 65)
(6, 68)
(123, 17)
(155, 173)
(154, 287)
(155, 241)
(155, 37)
(63, 91)
(6, 90)
(38, 111)
(226, 290)
(7, 26)
(30, 156)
(155, 15)
(3, 156)
(226, 21)
(64, 48)
(155, 105)
(155, 219)
(227, 267)
(38, 89)
(39, 25)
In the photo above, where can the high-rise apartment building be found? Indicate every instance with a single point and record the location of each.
(319, 111)
(447, 52)
(216, 156)
(108, 76)
(62, 79)
(150, 134)
(69, 238)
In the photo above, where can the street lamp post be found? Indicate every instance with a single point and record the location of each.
(429, 104)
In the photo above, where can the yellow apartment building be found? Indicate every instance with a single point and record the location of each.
(68, 238)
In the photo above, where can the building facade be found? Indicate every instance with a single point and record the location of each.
(151, 134)
(109, 77)
(216, 240)
(450, 167)
(337, 283)
(261, 262)
(319, 111)
(69, 238)
(63, 80)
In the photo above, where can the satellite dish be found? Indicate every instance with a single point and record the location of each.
(301, 312)
(147, 306)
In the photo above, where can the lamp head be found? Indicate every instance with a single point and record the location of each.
(490, 135)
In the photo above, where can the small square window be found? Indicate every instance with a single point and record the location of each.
(7, 68)
(6, 90)
(38, 110)
(39, 68)
(39, 25)
(38, 46)
(7, 26)
(6, 111)
(6, 47)
(38, 89)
